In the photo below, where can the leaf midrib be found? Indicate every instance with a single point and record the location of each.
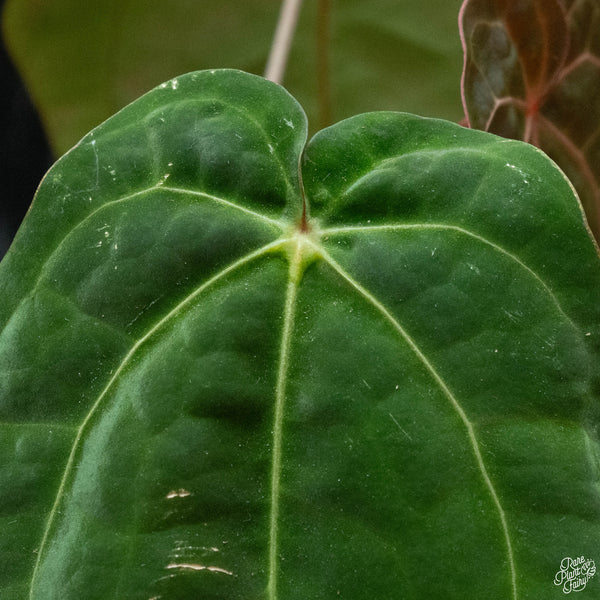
(280, 397)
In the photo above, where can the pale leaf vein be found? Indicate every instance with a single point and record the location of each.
(280, 394)
(115, 376)
(451, 398)
(462, 231)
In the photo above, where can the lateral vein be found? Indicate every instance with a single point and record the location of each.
(140, 342)
(462, 231)
(132, 196)
(453, 401)
(224, 202)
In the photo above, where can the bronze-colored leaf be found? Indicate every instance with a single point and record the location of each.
(532, 72)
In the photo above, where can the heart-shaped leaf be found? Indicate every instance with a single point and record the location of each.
(532, 72)
(226, 377)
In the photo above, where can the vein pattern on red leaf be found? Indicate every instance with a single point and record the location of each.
(532, 72)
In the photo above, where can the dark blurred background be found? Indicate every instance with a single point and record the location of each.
(24, 152)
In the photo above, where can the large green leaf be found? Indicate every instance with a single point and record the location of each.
(218, 382)
(83, 61)
(532, 72)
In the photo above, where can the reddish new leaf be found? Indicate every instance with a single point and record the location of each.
(532, 72)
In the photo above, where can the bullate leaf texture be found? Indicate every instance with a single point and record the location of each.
(238, 366)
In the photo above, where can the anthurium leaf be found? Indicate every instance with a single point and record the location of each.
(225, 376)
(83, 61)
(532, 72)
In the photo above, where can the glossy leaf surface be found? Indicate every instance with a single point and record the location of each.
(83, 61)
(213, 389)
(532, 72)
